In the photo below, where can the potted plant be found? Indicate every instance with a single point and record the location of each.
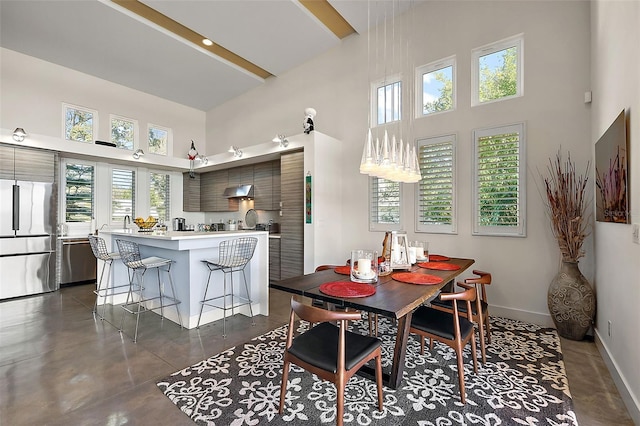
(570, 298)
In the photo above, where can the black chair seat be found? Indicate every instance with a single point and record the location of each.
(462, 307)
(319, 347)
(439, 323)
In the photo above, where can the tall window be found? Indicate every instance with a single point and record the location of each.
(123, 194)
(78, 189)
(79, 124)
(436, 210)
(499, 186)
(158, 140)
(384, 204)
(435, 86)
(159, 196)
(387, 101)
(497, 71)
(123, 132)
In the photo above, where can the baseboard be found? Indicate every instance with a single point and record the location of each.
(538, 318)
(629, 401)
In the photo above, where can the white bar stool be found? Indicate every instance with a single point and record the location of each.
(104, 288)
(233, 256)
(130, 254)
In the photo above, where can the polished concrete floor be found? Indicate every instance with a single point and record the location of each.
(61, 366)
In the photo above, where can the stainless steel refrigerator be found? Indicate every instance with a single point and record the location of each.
(28, 218)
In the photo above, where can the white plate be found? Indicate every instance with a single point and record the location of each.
(371, 274)
(422, 259)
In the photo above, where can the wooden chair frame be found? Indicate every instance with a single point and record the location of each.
(342, 375)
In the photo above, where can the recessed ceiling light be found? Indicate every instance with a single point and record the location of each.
(207, 42)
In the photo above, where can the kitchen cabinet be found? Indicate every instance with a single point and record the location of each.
(274, 259)
(32, 165)
(266, 181)
(190, 193)
(240, 175)
(292, 219)
(212, 186)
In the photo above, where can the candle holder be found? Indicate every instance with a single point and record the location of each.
(364, 266)
(399, 251)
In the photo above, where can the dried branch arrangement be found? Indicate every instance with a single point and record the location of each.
(612, 185)
(566, 205)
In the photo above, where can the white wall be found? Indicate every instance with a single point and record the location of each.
(337, 84)
(615, 67)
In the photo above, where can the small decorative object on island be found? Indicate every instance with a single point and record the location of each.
(309, 115)
(570, 298)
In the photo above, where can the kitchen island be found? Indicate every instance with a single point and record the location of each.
(187, 249)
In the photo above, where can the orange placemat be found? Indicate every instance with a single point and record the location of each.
(347, 289)
(414, 278)
(438, 258)
(440, 266)
(343, 270)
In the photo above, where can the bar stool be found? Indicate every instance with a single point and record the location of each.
(233, 256)
(130, 254)
(104, 288)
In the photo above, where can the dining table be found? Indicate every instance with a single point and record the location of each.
(392, 298)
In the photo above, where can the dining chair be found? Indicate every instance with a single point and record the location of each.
(330, 352)
(480, 309)
(449, 328)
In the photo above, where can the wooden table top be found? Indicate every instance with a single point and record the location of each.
(392, 298)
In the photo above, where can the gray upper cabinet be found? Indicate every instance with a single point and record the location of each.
(191, 193)
(27, 164)
(212, 186)
(266, 181)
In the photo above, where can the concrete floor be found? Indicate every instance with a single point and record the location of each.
(60, 366)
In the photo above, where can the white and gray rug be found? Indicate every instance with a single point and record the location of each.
(522, 383)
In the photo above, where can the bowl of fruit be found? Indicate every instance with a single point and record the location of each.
(145, 225)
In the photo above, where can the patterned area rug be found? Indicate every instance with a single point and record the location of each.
(522, 383)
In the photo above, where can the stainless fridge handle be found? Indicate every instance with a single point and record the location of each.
(16, 207)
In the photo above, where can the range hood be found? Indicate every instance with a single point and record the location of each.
(240, 191)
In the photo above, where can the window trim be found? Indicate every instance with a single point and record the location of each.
(440, 229)
(375, 85)
(378, 226)
(169, 139)
(136, 138)
(449, 61)
(516, 41)
(94, 127)
(502, 231)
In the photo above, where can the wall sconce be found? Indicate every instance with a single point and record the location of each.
(19, 134)
(236, 151)
(139, 153)
(282, 140)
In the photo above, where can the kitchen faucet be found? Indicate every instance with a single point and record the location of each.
(125, 221)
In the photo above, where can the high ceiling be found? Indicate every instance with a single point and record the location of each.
(142, 45)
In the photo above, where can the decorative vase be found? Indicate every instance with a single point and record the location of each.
(571, 302)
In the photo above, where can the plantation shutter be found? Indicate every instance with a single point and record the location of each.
(78, 193)
(499, 185)
(159, 196)
(122, 194)
(435, 191)
(384, 204)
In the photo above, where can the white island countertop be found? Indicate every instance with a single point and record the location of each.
(183, 235)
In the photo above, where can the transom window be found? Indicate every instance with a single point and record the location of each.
(499, 181)
(158, 140)
(497, 71)
(387, 101)
(124, 132)
(436, 207)
(123, 194)
(435, 87)
(80, 124)
(385, 197)
(78, 190)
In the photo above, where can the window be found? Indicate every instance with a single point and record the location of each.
(79, 124)
(499, 181)
(159, 196)
(387, 101)
(436, 210)
(384, 204)
(124, 132)
(123, 194)
(497, 71)
(435, 86)
(158, 140)
(78, 190)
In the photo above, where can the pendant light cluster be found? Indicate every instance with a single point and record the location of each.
(390, 160)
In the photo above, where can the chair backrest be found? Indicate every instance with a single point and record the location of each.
(99, 248)
(130, 254)
(325, 267)
(237, 252)
(468, 295)
(483, 278)
(314, 315)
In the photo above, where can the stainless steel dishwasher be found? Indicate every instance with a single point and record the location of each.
(78, 262)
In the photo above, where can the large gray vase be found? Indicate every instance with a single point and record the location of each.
(571, 301)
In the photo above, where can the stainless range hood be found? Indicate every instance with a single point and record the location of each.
(240, 191)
